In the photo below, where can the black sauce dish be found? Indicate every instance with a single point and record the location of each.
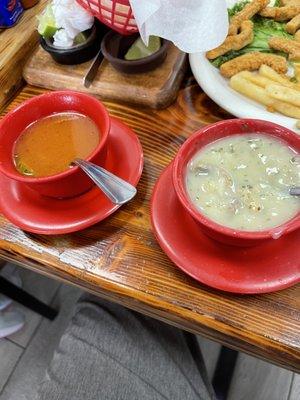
(79, 53)
(114, 47)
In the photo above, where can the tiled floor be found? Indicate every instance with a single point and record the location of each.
(25, 355)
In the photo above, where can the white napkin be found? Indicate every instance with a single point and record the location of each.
(192, 25)
(71, 18)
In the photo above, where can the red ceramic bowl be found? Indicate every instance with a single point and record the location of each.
(68, 183)
(207, 135)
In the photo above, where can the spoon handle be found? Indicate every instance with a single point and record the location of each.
(90, 75)
(295, 191)
(115, 188)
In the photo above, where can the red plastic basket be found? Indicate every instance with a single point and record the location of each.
(116, 14)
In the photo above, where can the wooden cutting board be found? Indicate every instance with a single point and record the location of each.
(16, 44)
(155, 89)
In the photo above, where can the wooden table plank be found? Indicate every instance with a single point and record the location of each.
(119, 258)
(16, 45)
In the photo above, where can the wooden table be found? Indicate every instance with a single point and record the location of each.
(16, 45)
(119, 258)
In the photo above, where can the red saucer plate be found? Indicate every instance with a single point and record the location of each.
(44, 215)
(271, 266)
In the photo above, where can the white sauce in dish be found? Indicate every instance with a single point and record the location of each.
(242, 181)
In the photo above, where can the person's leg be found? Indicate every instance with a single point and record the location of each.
(10, 321)
(111, 353)
(11, 274)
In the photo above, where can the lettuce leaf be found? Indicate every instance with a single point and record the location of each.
(237, 8)
(264, 28)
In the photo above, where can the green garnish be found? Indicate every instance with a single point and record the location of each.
(47, 25)
(22, 168)
(217, 62)
(139, 50)
(237, 8)
(81, 37)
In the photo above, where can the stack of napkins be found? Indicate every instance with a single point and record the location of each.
(192, 25)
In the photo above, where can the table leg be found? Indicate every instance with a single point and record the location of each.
(20, 296)
(224, 372)
(195, 350)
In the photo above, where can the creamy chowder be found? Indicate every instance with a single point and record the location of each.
(243, 181)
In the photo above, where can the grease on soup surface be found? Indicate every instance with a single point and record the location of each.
(242, 181)
(48, 146)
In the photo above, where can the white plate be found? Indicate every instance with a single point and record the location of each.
(218, 89)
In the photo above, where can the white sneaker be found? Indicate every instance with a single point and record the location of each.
(14, 278)
(10, 322)
(4, 302)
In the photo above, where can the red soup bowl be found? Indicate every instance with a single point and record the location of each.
(207, 135)
(73, 181)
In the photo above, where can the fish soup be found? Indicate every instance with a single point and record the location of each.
(49, 145)
(243, 181)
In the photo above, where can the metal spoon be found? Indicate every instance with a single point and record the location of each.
(295, 191)
(115, 188)
(92, 71)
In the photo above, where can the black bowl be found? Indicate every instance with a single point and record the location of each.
(114, 47)
(77, 54)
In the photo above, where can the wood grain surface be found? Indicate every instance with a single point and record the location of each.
(16, 45)
(119, 258)
(155, 89)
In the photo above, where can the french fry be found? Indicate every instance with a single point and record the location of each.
(297, 36)
(286, 109)
(259, 94)
(269, 73)
(297, 71)
(249, 89)
(258, 80)
(285, 94)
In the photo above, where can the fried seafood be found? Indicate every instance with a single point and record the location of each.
(290, 2)
(253, 61)
(293, 25)
(235, 42)
(292, 47)
(280, 13)
(246, 13)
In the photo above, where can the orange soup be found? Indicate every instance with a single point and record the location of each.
(49, 145)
